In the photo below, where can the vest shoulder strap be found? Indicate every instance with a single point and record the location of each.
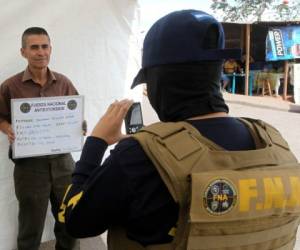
(180, 141)
(177, 131)
(264, 133)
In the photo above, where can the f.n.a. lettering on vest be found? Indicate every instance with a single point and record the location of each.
(278, 41)
(274, 192)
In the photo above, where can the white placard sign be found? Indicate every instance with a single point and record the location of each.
(47, 125)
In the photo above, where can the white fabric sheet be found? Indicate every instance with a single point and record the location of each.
(94, 44)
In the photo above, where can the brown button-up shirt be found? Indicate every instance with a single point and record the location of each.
(22, 85)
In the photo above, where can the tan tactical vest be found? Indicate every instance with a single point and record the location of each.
(229, 200)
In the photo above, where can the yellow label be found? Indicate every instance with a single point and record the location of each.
(276, 192)
(247, 191)
(294, 200)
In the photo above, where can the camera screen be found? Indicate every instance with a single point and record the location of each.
(136, 115)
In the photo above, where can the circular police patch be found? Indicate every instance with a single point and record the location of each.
(219, 197)
(25, 107)
(72, 104)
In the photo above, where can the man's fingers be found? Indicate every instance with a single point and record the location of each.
(11, 138)
(119, 109)
(111, 107)
(124, 107)
(11, 135)
(114, 107)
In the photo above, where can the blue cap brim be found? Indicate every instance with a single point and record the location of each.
(140, 78)
(207, 55)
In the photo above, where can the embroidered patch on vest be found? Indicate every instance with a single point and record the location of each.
(220, 197)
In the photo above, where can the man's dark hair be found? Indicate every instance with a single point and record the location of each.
(33, 31)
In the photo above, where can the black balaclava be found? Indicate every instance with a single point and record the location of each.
(181, 91)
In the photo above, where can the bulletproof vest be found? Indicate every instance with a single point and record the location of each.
(228, 200)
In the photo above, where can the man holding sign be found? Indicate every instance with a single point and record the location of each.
(43, 178)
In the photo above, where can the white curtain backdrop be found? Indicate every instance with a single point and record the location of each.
(94, 44)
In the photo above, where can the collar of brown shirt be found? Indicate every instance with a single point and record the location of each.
(28, 76)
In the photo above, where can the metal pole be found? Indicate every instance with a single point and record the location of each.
(285, 83)
(247, 58)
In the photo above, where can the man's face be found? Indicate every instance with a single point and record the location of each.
(37, 51)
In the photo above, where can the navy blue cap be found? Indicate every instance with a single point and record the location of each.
(180, 37)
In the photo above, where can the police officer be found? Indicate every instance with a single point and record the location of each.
(177, 184)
